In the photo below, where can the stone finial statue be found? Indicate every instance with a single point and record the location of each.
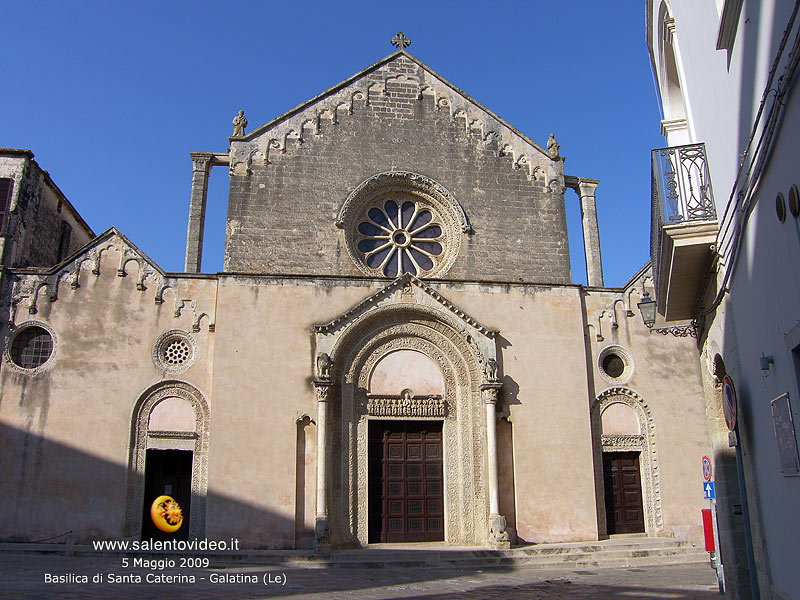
(239, 123)
(324, 365)
(552, 146)
(490, 370)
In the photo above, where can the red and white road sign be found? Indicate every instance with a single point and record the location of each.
(706, 468)
(729, 407)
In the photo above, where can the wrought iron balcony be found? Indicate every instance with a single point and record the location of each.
(683, 227)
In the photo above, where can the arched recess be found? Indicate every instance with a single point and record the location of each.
(674, 125)
(371, 337)
(643, 442)
(145, 436)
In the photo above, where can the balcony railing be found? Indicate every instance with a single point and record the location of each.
(681, 191)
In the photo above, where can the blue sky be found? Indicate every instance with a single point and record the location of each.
(112, 96)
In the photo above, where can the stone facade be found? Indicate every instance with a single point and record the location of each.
(289, 177)
(273, 373)
(41, 227)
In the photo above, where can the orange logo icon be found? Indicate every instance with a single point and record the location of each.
(166, 514)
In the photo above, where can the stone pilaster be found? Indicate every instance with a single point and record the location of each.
(201, 165)
(591, 236)
(498, 534)
(322, 534)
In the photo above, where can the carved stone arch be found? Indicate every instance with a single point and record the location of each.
(142, 438)
(427, 196)
(644, 442)
(370, 338)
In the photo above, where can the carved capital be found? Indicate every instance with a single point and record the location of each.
(322, 388)
(201, 164)
(490, 392)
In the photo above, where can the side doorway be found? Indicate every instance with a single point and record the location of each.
(623, 492)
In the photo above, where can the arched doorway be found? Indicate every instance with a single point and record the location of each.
(168, 455)
(626, 464)
(366, 356)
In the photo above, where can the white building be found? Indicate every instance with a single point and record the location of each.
(727, 77)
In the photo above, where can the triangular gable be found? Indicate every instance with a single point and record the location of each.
(29, 282)
(392, 288)
(464, 111)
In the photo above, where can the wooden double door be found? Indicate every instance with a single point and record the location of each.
(623, 492)
(406, 485)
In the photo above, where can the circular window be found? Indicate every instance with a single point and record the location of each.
(615, 364)
(400, 222)
(399, 236)
(174, 351)
(30, 347)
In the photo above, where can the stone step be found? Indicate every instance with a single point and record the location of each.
(616, 552)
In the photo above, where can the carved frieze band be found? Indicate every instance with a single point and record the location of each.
(27, 290)
(621, 443)
(408, 406)
(477, 125)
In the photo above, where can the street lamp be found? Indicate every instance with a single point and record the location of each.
(648, 309)
(647, 306)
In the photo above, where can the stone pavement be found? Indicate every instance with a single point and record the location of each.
(23, 577)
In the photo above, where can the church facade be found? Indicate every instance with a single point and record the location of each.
(394, 352)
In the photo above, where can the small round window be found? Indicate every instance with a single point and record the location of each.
(174, 351)
(30, 347)
(400, 236)
(616, 365)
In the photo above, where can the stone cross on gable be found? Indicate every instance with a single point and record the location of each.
(400, 40)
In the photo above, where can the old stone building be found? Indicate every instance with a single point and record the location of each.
(394, 352)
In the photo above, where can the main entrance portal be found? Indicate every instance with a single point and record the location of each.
(406, 491)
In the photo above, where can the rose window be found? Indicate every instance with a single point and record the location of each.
(397, 237)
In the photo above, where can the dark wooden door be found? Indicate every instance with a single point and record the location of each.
(623, 492)
(167, 472)
(405, 481)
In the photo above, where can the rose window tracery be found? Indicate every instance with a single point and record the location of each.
(397, 236)
(399, 222)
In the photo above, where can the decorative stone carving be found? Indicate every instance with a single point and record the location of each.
(400, 41)
(622, 442)
(324, 365)
(498, 532)
(480, 125)
(355, 357)
(140, 435)
(626, 358)
(490, 370)
(426, 194)
(174, 351)
(46, 365)
(407, 406)
(406, 282)
(645, 443)
(553, 146)
(239, 123)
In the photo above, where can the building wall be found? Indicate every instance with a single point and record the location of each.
(756, 316)
(281, 214)
(67, 430)
(37, 216)
(255, 369)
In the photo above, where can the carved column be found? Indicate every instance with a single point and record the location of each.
(498, 535)
(322, 535)
(201, 165)
(591, 236)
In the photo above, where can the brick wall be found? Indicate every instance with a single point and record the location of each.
(281, 215)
